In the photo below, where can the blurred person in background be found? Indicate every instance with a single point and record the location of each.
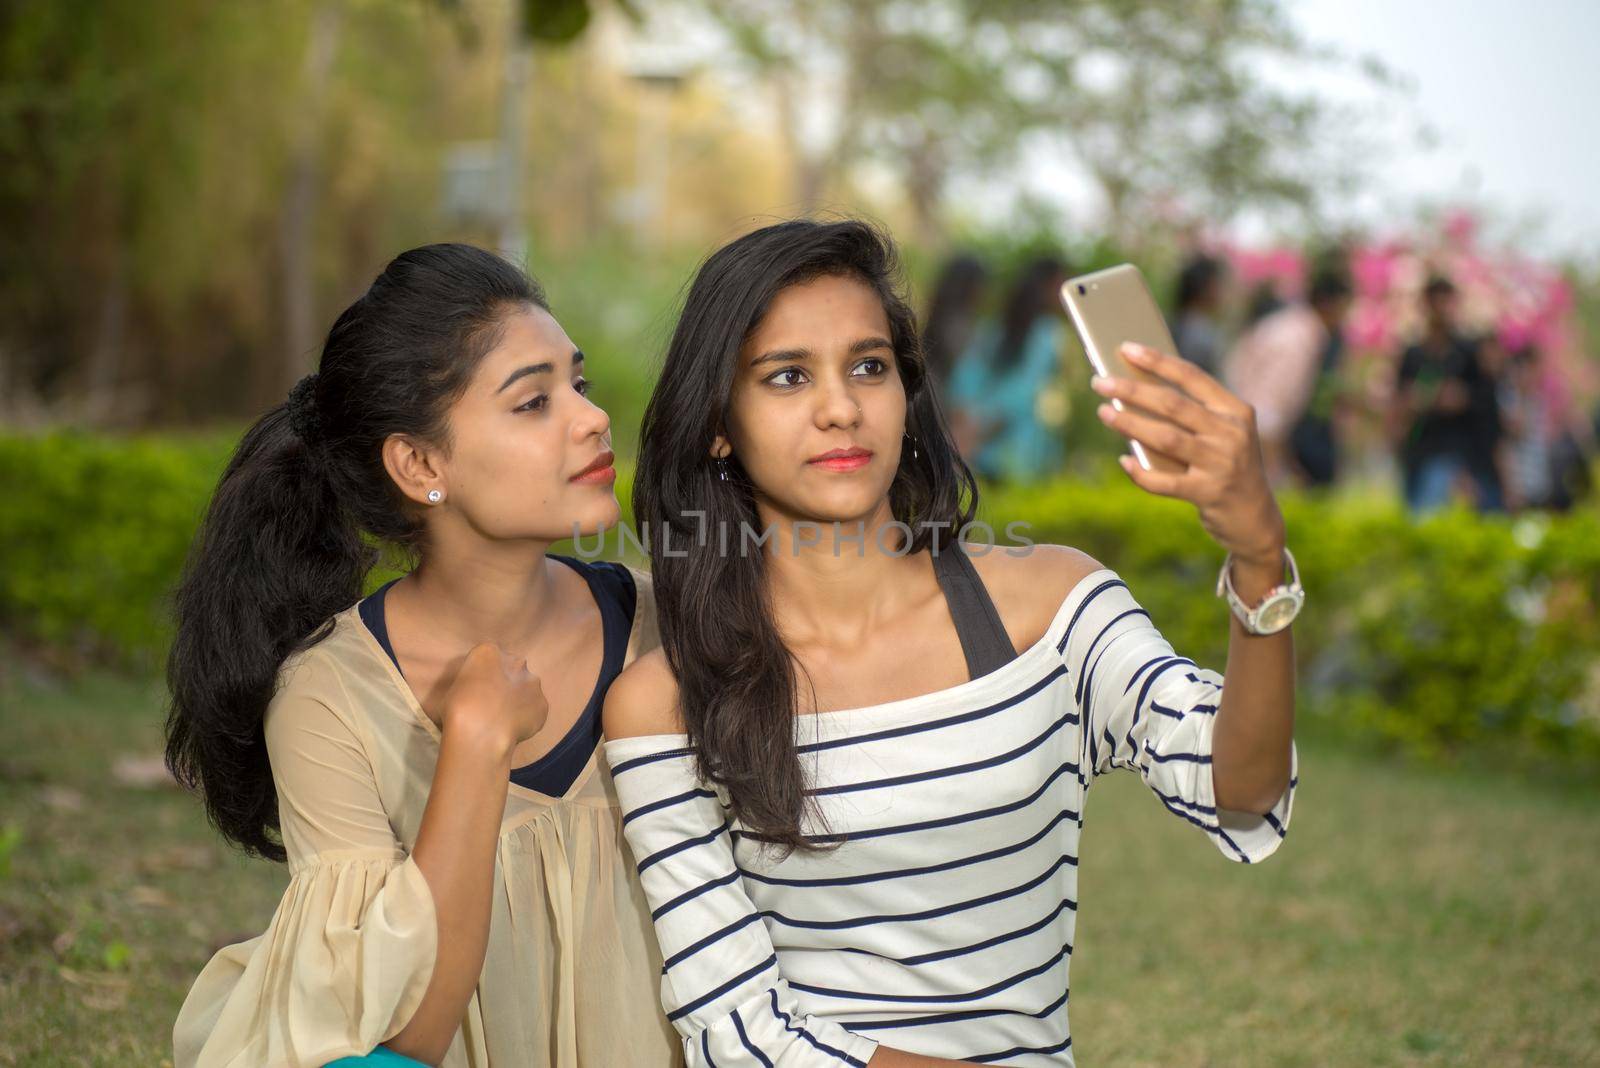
(1196, 320)
(1010, 386)
(1571, 436)
(1527, 421)
(1262, 301)
(1284, 363)
(1441, 394)
(948, 331)
(953, 313)
(1314, 438)
(1489, 456)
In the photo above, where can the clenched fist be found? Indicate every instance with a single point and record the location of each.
(496, 697)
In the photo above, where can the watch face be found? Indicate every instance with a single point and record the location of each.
(1277, 613)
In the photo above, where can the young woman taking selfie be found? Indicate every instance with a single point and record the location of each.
(425, 759)
(854, 774)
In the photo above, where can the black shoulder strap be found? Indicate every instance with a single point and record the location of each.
(983, 637)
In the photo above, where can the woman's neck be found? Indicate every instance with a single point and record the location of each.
(822, 594)
(483, 592)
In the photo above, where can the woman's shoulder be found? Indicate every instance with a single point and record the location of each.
(313, 670)
(643, 583)
(1030, 583)
(643, 699)
(645, 634)
(619, 579)
(319, 681)
(308, 702)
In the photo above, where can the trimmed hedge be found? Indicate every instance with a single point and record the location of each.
(93, 533)
(1433, 634)
(1454, 631)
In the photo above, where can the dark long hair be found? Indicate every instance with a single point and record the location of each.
(290, 532)
(1197, 277)
(951, 312)
(1030, 298)
(736, 678)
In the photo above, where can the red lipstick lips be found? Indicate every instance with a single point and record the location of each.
(852, 459)
(600, 470)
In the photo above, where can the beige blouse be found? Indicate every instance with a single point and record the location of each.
(571, 977)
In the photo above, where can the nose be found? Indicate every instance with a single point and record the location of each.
(837, 407)
(590, 419)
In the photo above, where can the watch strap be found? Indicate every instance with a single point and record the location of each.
(1250, 617)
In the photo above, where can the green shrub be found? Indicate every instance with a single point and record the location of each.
(93, 532)
(1456, 631)
(1435, 634)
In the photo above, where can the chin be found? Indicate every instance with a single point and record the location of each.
(839, 507)
(590, 518)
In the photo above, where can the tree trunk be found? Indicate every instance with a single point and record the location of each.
(106, 356)
(298, 219)
(925, 180)
(807, 177)
(511, 232)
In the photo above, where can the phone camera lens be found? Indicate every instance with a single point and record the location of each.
(1081, 290)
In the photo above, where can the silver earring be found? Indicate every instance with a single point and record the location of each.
(435, 496)
(722, 468)
(913, 444)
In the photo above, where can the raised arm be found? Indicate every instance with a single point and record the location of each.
(1214, 434)
(1147, 708)
(368, 945)
(493, 705)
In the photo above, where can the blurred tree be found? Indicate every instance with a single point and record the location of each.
(1154, 98)
(188, 189)
(186, 186)
(298, 215)
(111, 160)
(551, 22)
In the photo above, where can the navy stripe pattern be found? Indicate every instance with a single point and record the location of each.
(942, 921)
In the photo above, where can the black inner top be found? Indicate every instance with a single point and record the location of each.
(612, 586)
(984, 640)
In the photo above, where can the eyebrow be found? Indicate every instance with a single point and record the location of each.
(537, 369)
(866, 344)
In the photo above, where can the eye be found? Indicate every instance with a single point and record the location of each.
(774, 379)
(533, 405)
(873, 361)
(583, 386)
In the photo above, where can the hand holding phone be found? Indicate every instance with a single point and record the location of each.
(1191, 438)
(1110, 308)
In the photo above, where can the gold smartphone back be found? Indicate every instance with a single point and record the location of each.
(1109, 308)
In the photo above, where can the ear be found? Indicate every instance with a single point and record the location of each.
(415, 467)
(721, 447)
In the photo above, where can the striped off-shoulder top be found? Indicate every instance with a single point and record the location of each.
(943, 921)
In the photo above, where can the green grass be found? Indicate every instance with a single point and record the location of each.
(1413, 917)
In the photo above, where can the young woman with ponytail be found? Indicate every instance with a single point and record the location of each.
(423, 758)
(853, 776)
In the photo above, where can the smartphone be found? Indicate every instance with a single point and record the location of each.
(1111, 307)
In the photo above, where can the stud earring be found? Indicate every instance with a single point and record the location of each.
(435, 496)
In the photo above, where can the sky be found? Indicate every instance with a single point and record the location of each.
(1512, 90)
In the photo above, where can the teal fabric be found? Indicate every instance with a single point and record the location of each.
(1021, 447)
(378, 1058)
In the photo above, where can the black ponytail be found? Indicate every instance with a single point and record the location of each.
(292, 529)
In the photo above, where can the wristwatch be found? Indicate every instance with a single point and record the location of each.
(1276, 611)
